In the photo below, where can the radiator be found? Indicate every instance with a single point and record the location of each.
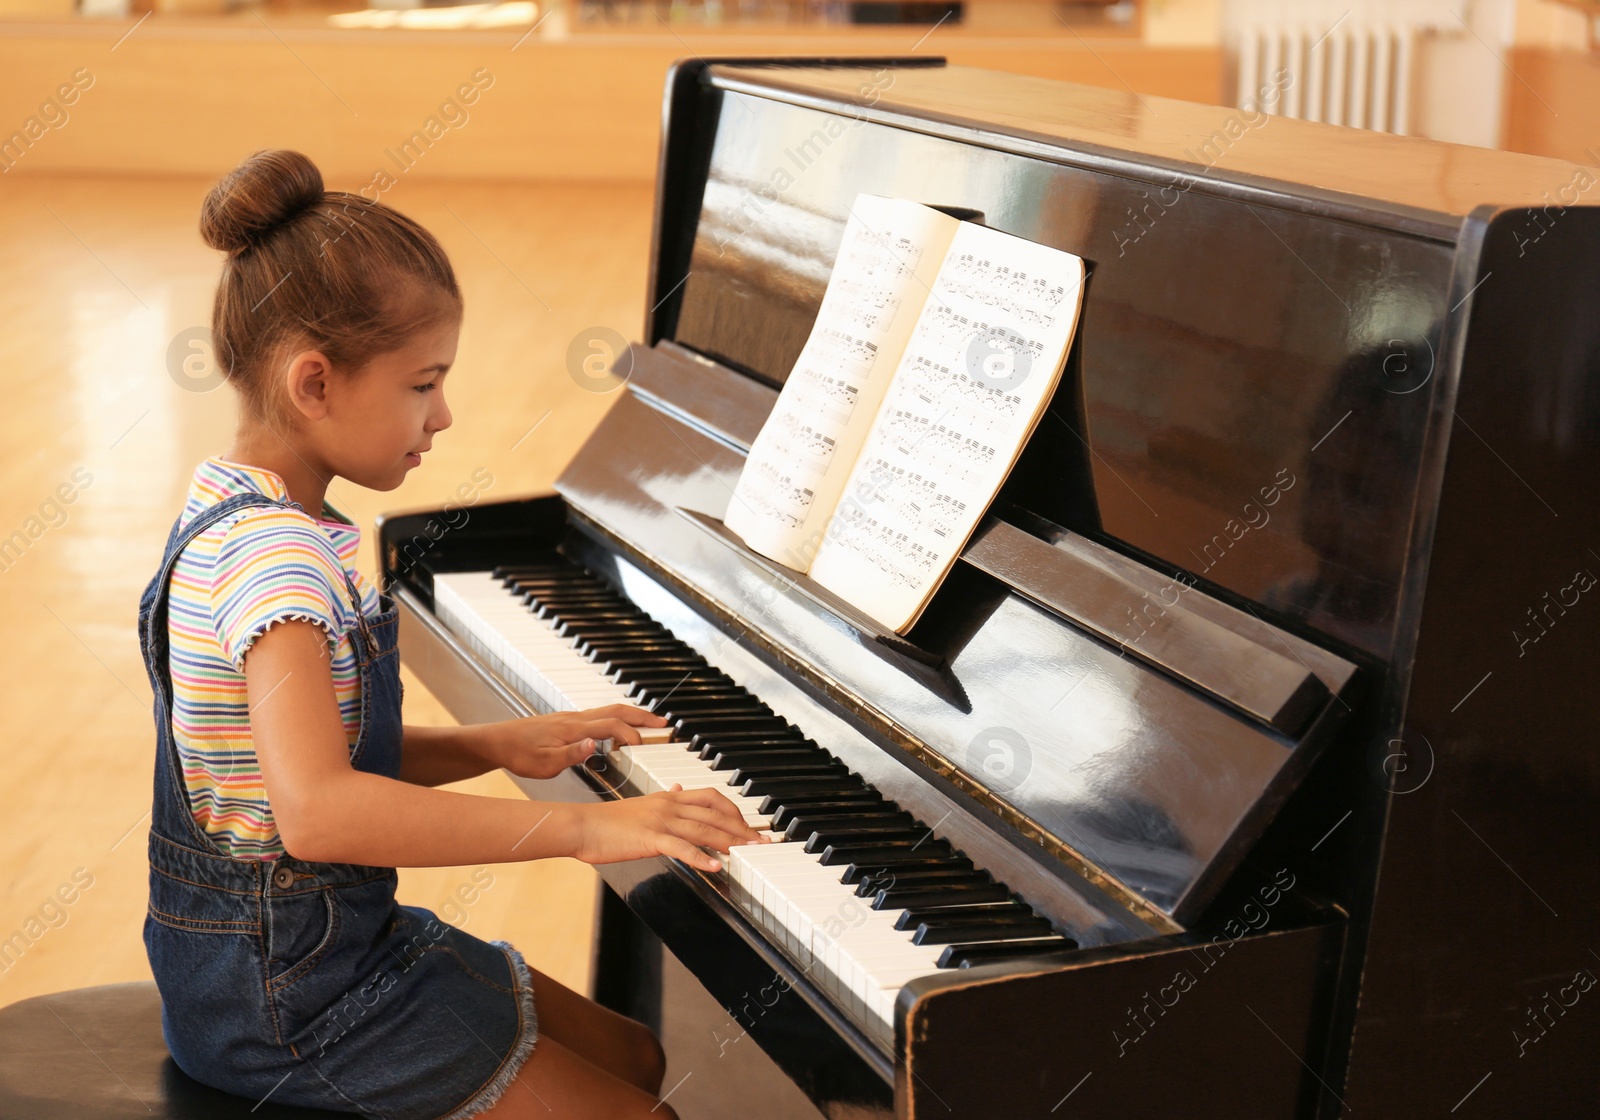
(1352, 75)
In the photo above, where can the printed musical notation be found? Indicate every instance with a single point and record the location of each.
(935, 351)
(1035, 300)
(884, 266)
(778, 496)
(974, 378)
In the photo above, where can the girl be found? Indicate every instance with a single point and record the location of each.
(286, 788)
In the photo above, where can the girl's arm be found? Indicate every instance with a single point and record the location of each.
(327, 811)
(534, 746)
(437, 756)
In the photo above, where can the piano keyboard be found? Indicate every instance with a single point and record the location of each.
(859, 893)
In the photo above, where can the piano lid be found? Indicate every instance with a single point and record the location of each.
(1426, 181)
(1261, 372)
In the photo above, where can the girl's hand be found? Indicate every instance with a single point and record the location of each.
(675, 822)
(543, 746)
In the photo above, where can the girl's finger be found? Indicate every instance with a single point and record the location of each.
(737, 828)
(637, 717)
(618, 729)
(711, 799)
(679, 848)
(710, 835)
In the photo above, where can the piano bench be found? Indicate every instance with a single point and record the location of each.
(98, 1054)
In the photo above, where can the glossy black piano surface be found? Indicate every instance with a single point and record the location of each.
(1323, 839)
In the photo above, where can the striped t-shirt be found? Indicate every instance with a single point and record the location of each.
(254, 567)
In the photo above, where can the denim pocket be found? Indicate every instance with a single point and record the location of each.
(299, 927)
(196, 908)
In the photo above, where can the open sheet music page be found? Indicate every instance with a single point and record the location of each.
(886, 262)
(977, 373)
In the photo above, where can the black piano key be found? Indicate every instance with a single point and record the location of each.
(604, 617)
(544, 605)
(858, 871)
(709, 708)
(746, 774)
(676, 710)
(731, 758)
(602, 639)
(655, 695)
(666, 695)
(647, 655)
(880, 854)
(603, 636)
(572, 621)
(574, 599)
(880, 819)
(793, 803)
(943, 933)
(656, 651)
(853, 837)
(707, 743)
(892, 877)
(619, 664)
(938, 892)
(557, 613)
(712, 724)
(784, 815)
(644, 650)
(559, 585)
(718, 747)
(778, 787)
(1007, 912)
(652, 682)
(512, 571)
(983, 952)
(649, 651)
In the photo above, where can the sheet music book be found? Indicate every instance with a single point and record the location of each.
(934, 354)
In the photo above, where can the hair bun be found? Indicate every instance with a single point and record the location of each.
(255, 198)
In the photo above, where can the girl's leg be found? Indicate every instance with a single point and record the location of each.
(556, 1082)
(598, 1035)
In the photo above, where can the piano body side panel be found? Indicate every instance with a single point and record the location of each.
(1177, 1027)
(1480, 955)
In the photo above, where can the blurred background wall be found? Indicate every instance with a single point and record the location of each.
(573, 87)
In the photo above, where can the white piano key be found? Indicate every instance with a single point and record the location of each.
(851, 951)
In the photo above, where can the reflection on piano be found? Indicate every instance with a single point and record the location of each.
(1216, 777)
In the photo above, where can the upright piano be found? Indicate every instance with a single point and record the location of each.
(1246, 763)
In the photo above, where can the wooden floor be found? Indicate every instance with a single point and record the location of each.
(98, 277)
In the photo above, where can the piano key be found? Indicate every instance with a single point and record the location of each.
(937, 892)
(704, 741)
(941, 933)
(1004, 913)
(889, 878)
(856, 871)
(976, 953)
(779, 787)
(712, 724)
(857, 890)
(754, 747)
(897, 837)
(793, 804)
(884, 853)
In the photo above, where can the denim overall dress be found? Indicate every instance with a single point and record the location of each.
(307, 982)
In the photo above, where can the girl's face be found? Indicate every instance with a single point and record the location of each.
(380, 420)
